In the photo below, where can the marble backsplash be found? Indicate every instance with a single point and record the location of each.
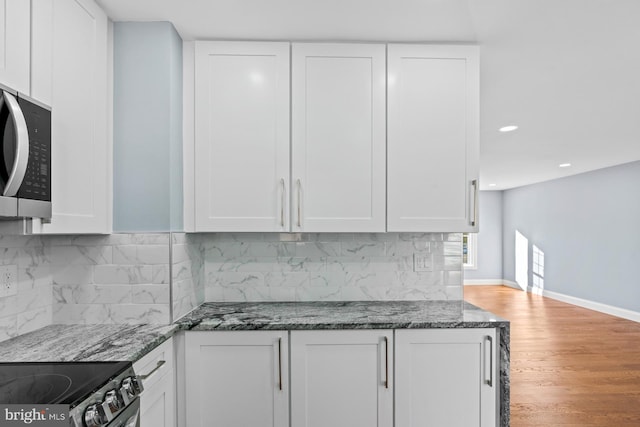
(32, 307)
(331, 267)
(117, 278)
(159, 277)
(187, 263)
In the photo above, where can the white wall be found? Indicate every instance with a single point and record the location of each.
(489, 240)
(588, 227)
(147, 151)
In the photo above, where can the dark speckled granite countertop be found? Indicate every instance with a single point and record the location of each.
(66, 343)
(131, 342)
(339, 315)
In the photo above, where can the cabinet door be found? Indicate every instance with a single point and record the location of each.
(42, 50)
(237, 379)
(157, 406)
(15, 44)
(338, 134)
(433, 144)
(157, 402)
(342, 378)
(446, 378)
(81, 155)
(241, 136)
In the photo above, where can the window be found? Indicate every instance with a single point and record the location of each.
(538, 268)
(470, 251)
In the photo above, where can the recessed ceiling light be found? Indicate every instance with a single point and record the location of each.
(509, 128)
(564, 165)
(492, 185)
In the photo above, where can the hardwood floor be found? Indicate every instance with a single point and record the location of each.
(569, 366)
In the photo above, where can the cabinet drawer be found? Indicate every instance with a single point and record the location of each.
(160, 359)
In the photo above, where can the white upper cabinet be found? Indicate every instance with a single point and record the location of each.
(42, 50)
(241, 136)
(15, 44)
(81, 150)
(338, 137)
(433, 142)
(350, 165)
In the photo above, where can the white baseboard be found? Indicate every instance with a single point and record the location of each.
(511, 284)
(592, 305)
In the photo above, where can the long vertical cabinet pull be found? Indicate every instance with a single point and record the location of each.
(299, 184)
(386, 362)
(489, 347)
(282, 201)
(280, 364)
(474, 219)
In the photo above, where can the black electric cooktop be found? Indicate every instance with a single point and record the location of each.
(54, 383)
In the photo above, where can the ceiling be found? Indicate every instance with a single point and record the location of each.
(567, 72)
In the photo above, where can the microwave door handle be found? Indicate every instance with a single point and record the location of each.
(21, 158)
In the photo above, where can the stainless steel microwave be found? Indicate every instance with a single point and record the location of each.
(25, 157)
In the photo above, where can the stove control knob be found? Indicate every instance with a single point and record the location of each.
(137, 384)
(113, 401)
(94, 416)
(130, 389)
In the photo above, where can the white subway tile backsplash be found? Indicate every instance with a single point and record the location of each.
(286, 280)
(160, 274)
(452, 248)
(108, 279)
(150, 294)
(363, 248)
(139, 313)
(72, 274)
(153, 254)
(141, 278)
(8, 327)
(236, 279)
(81, 314)
(34, 319)
(122, 274)
(81, 255)
(125, 254)
(188, 274)
(251, 267)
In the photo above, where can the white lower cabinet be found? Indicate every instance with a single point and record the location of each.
(158, 400)
(342, 378)
(446, 377)
(237, 379)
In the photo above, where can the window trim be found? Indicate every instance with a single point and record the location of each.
(472, 251)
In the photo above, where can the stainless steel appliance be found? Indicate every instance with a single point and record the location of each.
(99, 394)
(25, 156)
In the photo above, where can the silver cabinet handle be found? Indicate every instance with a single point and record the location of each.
(280, 363)
(474, 220)
(158, 366)
(21, 158)
(386, 362)
(282, 202)
(299, 203)
(489, 381)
